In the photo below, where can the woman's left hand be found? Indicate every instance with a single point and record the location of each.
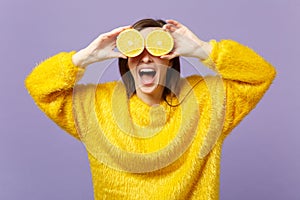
(186, 43)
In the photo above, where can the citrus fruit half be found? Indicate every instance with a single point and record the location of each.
(130, 42)
(159, 42)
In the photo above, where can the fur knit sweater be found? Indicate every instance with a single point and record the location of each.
(137, 151)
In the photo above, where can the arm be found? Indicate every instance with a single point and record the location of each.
(246, 76)
(51, 83)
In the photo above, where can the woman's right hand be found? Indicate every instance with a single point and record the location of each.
(101, 48)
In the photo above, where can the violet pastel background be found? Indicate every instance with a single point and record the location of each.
(261, 157)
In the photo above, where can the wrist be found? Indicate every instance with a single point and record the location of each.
(203, 50)
(81, 58)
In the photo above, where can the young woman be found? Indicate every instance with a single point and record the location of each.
(154, 135)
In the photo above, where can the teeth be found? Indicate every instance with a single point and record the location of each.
(147, 70)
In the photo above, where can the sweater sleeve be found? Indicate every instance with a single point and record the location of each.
(246, 76)
(51, 85)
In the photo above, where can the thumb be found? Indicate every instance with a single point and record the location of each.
(169, 56)
(115, 54)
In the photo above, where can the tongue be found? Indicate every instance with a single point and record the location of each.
(147, 79)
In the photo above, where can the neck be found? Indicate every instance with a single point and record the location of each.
(151, 98)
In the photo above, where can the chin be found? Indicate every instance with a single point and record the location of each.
(149, 89)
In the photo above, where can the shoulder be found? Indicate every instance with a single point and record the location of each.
(202, 86)
(108, 91)
(197, 82)
(101, 90)
(194, 78)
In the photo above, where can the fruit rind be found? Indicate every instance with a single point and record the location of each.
(159, 47)
(130, 42)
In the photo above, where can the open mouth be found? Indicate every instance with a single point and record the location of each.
(147, 75)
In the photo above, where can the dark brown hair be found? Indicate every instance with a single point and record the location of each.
(173, 73)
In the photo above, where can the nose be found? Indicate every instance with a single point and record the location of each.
(145, 56)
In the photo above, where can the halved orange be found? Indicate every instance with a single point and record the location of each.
(130, 42)
(159, 42)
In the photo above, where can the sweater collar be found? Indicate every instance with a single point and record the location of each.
(143, 114)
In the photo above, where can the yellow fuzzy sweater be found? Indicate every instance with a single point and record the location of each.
(141, 152)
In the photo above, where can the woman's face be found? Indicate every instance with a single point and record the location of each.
(149, 72)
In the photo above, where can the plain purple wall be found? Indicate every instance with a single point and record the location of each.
(261, 157)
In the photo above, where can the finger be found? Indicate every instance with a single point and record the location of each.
(174, 22)
(116, 54)
(169, 56)
(118, 30)
(169, 28)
